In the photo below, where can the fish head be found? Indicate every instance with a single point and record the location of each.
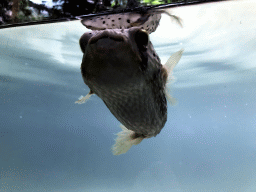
(113, 56)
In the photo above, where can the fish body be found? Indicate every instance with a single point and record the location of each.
(122, 68)
(127, 78)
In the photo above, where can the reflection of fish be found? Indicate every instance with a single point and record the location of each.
(147, 20)
(122, 68)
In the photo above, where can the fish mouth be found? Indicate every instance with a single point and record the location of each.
(117, 44)
(108, 35)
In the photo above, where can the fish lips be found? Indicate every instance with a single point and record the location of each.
(105, 42)
(111, 35)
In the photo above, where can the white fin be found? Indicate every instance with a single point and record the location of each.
(124, 141)
(170, 64)
(172, 61)
(169, 98)
(83, 99)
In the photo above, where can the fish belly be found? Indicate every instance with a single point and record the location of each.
(136, 106)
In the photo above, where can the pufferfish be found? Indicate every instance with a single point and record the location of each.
(122, 68)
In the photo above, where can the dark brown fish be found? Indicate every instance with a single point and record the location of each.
(122, 68)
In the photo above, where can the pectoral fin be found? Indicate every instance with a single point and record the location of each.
(173, 61)
(169, 66)
(83, 99)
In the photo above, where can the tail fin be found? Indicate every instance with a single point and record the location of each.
(169, 66)
(125, 140)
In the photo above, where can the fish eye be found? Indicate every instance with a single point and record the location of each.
(141, 38)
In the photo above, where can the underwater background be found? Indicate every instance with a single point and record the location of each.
(48, 143)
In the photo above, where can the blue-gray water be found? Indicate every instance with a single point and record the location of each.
(48, 143)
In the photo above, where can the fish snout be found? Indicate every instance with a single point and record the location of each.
(105, 41)
(109, 39)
